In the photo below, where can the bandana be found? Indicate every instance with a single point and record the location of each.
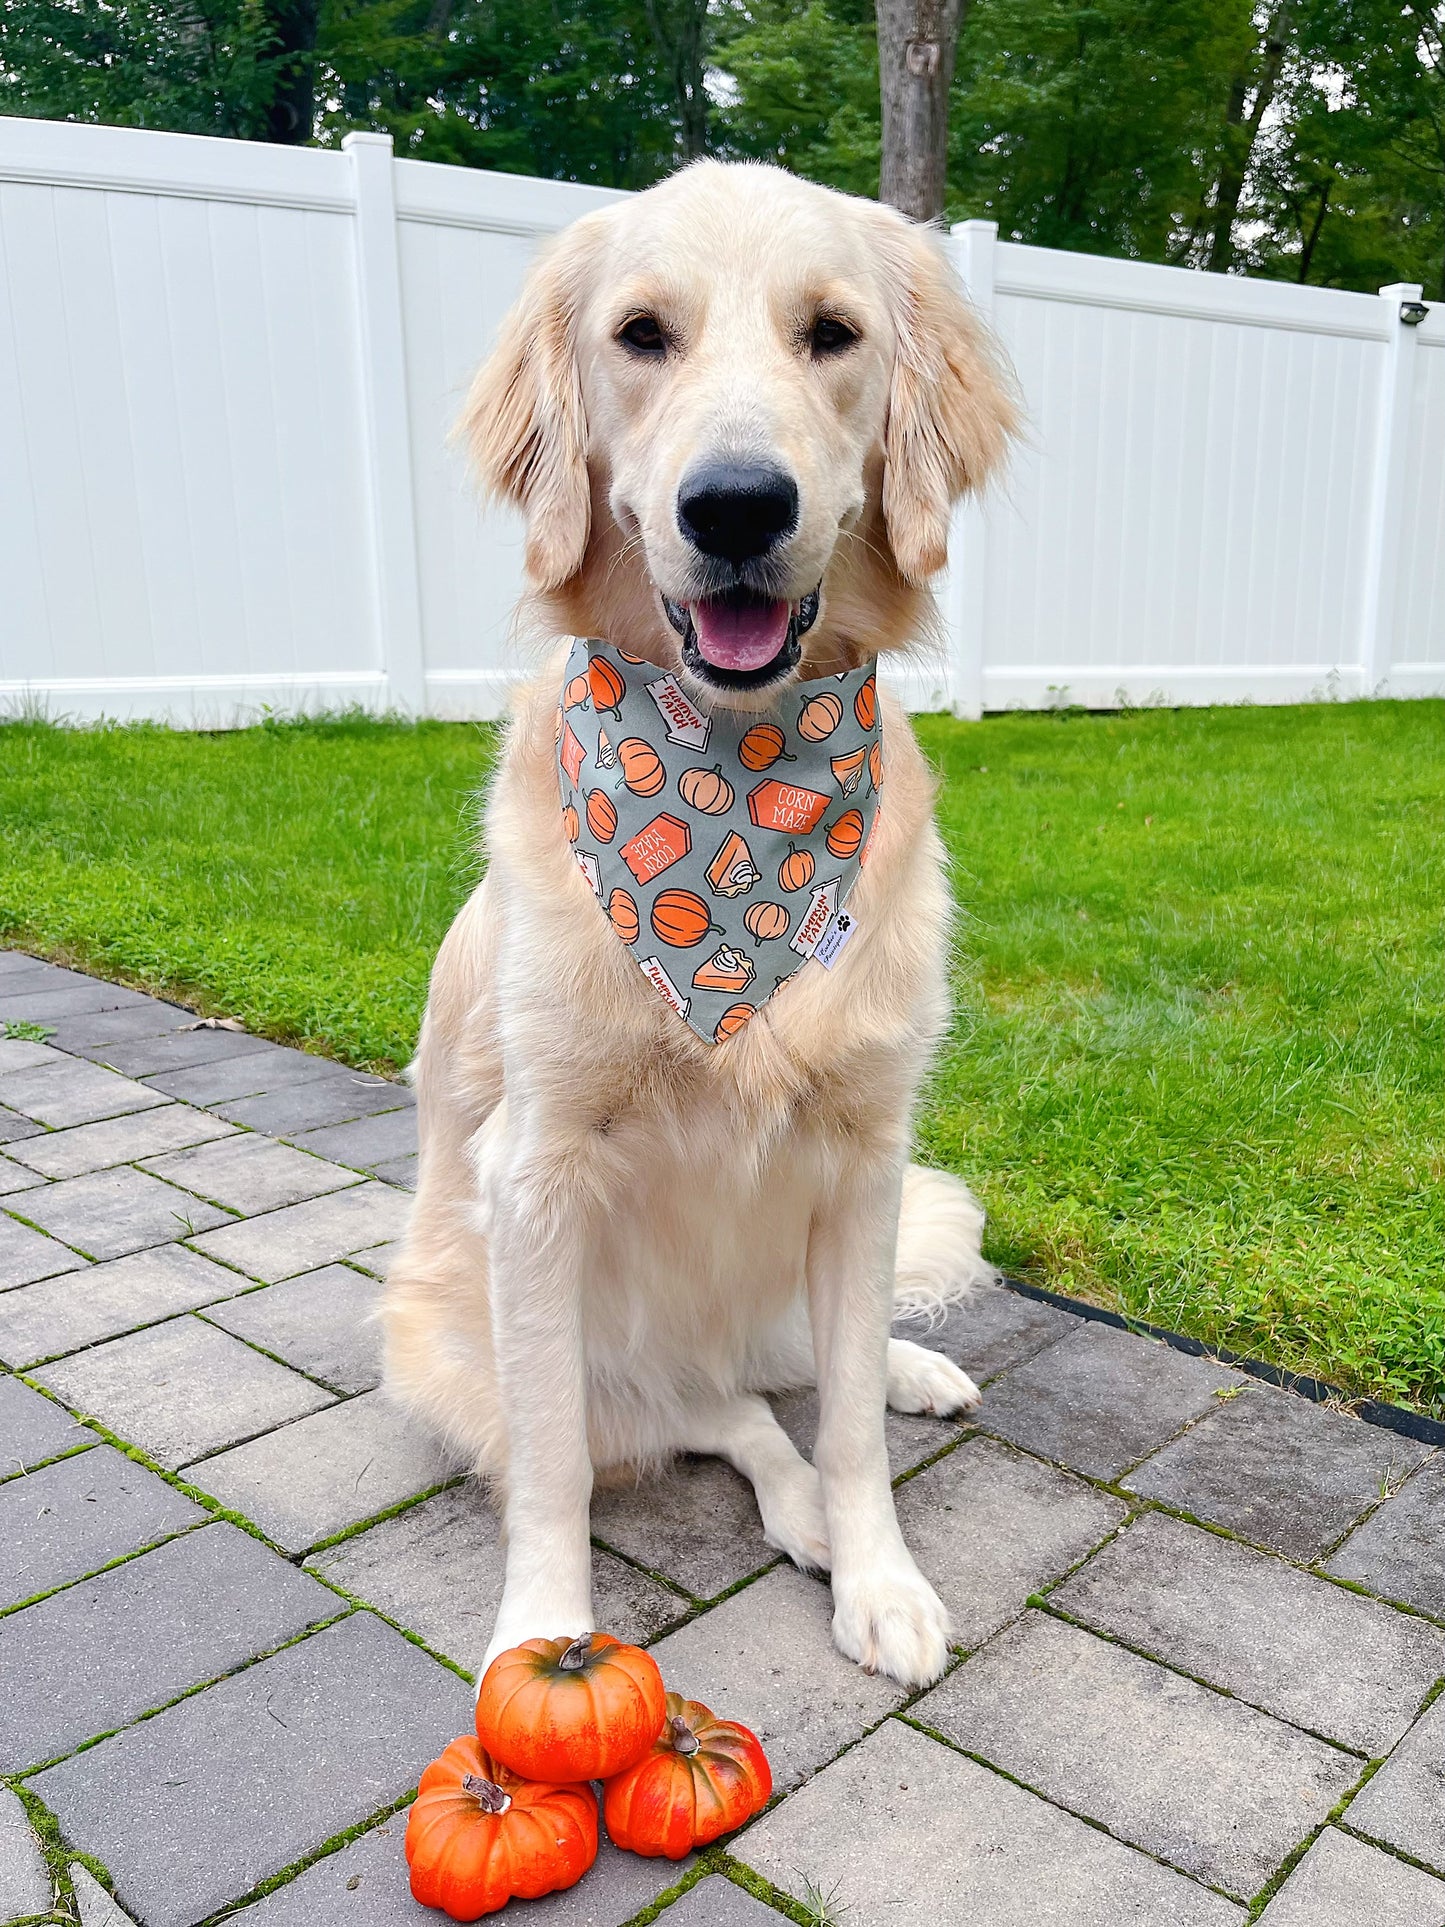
(722, 847)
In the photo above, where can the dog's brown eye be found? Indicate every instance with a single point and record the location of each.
(643, 335)
(831, 336)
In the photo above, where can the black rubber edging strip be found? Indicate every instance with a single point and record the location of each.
(1391, 1418)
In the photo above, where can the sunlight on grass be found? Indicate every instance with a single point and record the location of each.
(1198, 1059)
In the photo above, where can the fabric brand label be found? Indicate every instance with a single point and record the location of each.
(829, 946)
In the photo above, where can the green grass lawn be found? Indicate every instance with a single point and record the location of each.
(1198, 1062)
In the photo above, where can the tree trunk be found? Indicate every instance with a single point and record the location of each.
(917, 46)
(1240, 134)
(1310, 241)
(679, 28)
(293, 45)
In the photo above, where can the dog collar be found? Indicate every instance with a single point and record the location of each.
(722, 847)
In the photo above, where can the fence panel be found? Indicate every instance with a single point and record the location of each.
(465, 241)
(185, 518)
(1186, 520)
(228, 373)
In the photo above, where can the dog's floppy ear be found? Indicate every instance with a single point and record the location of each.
(524, 420)
(951, 407)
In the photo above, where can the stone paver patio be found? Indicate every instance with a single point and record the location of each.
(1201, 1621)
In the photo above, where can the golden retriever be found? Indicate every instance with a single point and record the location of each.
(624, 1236)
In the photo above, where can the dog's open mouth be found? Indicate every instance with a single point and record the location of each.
(741, 640)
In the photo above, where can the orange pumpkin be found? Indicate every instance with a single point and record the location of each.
(735, 1018)
(680, 918)
(761, 747)
(607, 687)
(702, 1778)
(601, 815)
(846, 835)
(623, 912)
(707, 790)
(795, 872)
(820, 716)
(875, 766)
(642, 769)
(767, 920)
(865, 704)
(571, 824)
(477, 1834)
(567, 1710)
(576, 693)
(637, 661)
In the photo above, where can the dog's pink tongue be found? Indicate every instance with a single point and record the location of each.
(739, 637)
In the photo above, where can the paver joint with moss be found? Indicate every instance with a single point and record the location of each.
(1198, 1059)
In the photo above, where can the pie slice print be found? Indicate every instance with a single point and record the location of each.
(848, 770)
(726, 969)
(732, 871)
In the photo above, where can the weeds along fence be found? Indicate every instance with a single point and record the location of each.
(228, 372)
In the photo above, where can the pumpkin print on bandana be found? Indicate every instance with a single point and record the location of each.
(720, 847)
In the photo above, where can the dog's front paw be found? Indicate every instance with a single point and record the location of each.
(794, 1520)
(892, 1622)
(920, 1380)
(531, 1622)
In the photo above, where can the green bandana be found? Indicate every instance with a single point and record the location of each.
(721, 846)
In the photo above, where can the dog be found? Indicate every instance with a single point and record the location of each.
(736, 411)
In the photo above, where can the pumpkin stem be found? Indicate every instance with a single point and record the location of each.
(684, 1740)
(575, 1657)
(487, 1794)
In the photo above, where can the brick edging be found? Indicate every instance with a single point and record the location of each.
(1391, 1418)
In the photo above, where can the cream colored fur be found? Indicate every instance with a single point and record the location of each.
(624, 1237)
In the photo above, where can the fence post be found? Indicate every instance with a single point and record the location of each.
(383, 374)
(1386, 499)
(964, 585)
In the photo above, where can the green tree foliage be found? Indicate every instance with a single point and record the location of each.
(1303, 139)
(193, 66)
(584, 90)
(798, 85)
(1038, 139)
(1349, 186)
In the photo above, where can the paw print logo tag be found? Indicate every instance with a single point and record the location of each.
(829, 946)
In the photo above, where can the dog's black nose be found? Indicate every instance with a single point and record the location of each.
(737, 510)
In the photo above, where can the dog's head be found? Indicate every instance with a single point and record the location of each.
(736, 411)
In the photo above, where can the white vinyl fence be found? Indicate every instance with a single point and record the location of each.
(227, 374)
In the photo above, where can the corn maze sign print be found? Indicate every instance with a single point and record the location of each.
(721, 847)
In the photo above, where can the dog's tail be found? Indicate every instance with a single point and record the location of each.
(940, 1234)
